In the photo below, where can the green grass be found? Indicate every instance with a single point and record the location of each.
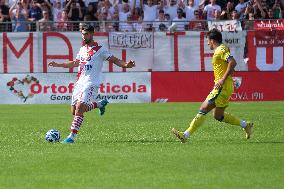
(131, 147)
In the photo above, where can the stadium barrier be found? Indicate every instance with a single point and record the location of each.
(158, 51)
(171, 66)
(139, 87)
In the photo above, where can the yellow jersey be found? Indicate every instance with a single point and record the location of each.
(219, 61)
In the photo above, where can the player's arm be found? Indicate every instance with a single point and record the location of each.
(230, 69)
(121, 63)
(70, 64)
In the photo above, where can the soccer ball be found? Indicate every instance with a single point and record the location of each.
(52, 135)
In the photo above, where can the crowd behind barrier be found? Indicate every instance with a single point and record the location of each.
(132, 15)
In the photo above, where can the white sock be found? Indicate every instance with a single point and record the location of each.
(243, 123)
(186, 134)
(72, 135)
(99, 104)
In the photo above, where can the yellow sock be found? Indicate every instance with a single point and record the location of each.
(195, 123)
(229, 118)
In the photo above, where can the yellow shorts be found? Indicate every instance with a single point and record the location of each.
(222, 96)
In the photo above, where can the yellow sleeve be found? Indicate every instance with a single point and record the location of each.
(225, 54)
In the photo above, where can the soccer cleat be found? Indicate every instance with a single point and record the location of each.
(68, 141)
(248, 130)
(102, 109)
(179, 135)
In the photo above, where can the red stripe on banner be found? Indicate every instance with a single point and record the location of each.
(46, 56)
(7, 42)
(269, 55)
(176, 52)
(202, 64)
(31, 53)
(110, 66)
(5, 56)
(123, 54)
(251, 51)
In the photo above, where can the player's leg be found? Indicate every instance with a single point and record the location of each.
(220, 115)
(100, 104)
(197, 121)
(221, 102)
(80, 101)
(73, 109)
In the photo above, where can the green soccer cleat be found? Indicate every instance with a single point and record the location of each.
(248, 130)
(68, 141)
(179, 135)
(103, 108)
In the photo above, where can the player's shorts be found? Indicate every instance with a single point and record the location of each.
(222, 96)
(84, 94)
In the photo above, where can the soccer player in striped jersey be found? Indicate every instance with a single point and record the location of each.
(89, 61)
(218, 99)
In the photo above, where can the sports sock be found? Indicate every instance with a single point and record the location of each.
(195, 123)
(75, 126)
(92, 106)
(233, 120)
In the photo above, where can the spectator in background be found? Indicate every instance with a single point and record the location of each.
(45, 24)
(180, 21)
(277, 12)
(217, 15)
(57, 10)
(19, 17)
(138, 26)
(75, 13)
(94, 3)
(4, 17)
(64, 24)
(91, 12)
(46, 6)
(115, 18)
(227, 12)
(128, 26)
(209, 10)
(150, 12)
(197, 24)
(124, 14)
(161, 24)
(35, 14)
(235, 15)
(189, 10)
(170, 8)
(241, 7)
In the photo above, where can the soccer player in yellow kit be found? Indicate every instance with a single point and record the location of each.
(218, 99)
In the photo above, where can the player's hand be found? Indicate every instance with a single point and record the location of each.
(52, 64)
(219, 84)
(130, 64)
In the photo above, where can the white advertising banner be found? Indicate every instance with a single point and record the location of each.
(132, 40)
(51, 88)
(178, 51)
(228, 25)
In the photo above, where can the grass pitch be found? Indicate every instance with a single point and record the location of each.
(131, 147)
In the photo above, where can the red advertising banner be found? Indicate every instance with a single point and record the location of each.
(269, 25)
(195, 86)
(273, 38)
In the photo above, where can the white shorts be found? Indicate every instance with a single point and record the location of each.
(85, 94)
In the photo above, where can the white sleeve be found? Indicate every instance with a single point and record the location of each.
(78, 55)
(105, 53)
